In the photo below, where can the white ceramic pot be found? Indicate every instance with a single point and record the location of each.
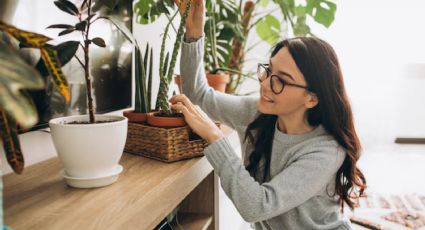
(89, 151)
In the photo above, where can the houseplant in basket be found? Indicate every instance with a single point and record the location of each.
(166, 142)
(90, 146)
(165, 117)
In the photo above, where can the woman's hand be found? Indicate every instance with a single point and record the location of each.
(195, 19)
(196, 118)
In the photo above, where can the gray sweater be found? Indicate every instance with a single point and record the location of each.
(303, 167)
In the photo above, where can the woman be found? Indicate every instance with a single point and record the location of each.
(300, 148)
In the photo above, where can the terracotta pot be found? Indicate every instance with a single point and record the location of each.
(159, 121)
(135, 117)
(217, 81)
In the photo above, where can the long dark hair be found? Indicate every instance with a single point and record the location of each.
(318, 62)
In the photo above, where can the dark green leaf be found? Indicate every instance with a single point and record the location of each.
(99, 42)
(66, 52)
(67, 7)
(60, 26)
(67, 31)
(81, 25)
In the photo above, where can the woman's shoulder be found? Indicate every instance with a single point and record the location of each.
(321, 146)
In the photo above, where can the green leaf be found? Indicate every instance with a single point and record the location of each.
(99, 42)
(300, 11)
(11, 145)
(53, 65)
(60, 26)
(147, 11)
(28, 39)
(81, 26)
(16, 74)
(322, 11)
(268, 29)
(67, 6)
(66, 52)
(300, 27)
(264, 3)
(67, 31)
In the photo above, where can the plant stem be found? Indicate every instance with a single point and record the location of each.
(87, 68)
(238, 54)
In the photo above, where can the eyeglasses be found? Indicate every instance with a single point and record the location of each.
(276, 83)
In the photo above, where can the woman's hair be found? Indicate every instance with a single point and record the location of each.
(318, 62)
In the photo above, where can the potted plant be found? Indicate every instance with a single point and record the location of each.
(165, 117)
(143, 92)
(90, 146)
(269, 29)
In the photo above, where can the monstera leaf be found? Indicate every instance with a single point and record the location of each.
(225, 22)
(147, 11)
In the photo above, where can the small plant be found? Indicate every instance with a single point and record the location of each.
(166, 67)
(143, 72)
(83, 26)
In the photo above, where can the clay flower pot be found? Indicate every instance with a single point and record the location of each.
(135, 117)
(217, 81)
(154, 119)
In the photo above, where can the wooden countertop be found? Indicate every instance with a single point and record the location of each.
(145, 193)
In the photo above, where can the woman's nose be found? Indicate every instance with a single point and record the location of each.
(266, 83)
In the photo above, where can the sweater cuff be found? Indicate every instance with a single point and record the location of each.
(193, 48)
(219, 152)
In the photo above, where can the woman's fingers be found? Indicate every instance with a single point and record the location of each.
(183, 99)
(182, 108)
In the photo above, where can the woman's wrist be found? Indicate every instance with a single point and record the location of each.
(192, 36)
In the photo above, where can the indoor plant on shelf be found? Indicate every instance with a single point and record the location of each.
(143, 82)
(90, 146)
(173, 140)
(165, 117)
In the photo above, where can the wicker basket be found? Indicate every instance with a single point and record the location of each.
(164, 144)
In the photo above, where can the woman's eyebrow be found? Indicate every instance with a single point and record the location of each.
(280, 72)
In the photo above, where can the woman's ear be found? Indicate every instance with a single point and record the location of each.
(311, 100)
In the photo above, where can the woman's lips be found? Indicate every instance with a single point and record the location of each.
(266, 99)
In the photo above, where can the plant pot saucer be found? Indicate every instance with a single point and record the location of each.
(93, 182)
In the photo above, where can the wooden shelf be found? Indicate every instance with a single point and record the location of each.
(145, 193)
(40, 199)
(192, 221)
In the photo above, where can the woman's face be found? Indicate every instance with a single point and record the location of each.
(292, 100)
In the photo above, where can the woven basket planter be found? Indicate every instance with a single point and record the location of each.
(164, 144)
